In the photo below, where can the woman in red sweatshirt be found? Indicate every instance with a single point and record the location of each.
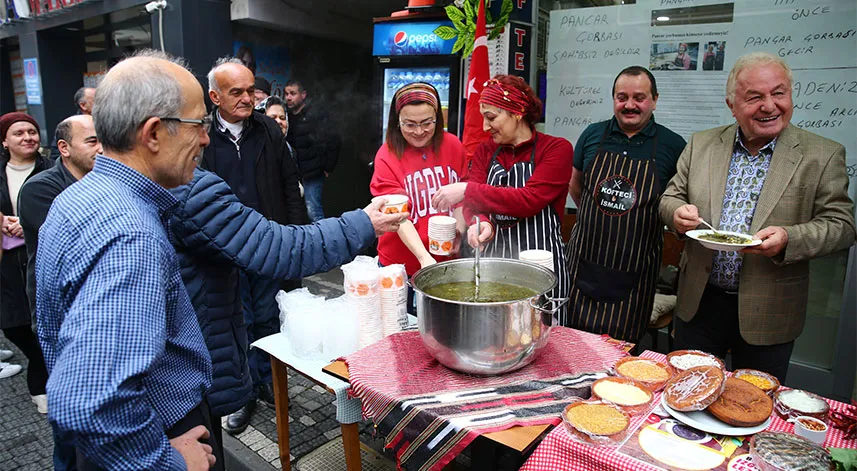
(418, 158)
(517, 181)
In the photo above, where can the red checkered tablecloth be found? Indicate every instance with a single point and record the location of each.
(559, 452)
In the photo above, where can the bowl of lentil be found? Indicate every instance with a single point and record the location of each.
(764, 381)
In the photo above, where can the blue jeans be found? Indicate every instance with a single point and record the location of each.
(312, 194)
(262, 316)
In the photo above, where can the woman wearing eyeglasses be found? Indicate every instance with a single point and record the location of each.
(517, 181)
(418, 158)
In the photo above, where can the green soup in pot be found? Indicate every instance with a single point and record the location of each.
(489, 292)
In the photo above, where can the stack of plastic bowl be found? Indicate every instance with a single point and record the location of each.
(363, 288)
(394, 299)
(441, 235)
(539, 257)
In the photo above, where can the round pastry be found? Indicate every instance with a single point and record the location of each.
(694, 389)
(742, 404)
(626, 393)
(596, 423)
(791, 403)
(764, 381)
(684, 359)
(652, 374)
(773, 451)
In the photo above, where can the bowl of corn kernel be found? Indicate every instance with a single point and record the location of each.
(764, 381)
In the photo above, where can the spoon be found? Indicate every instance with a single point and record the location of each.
(476, 261)
(709, 226)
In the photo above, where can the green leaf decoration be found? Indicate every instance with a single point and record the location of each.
(469, 11)
(459, 43)
(445, 32)
(495, 33)
(506, 10)
(454, 13)
(471, 41)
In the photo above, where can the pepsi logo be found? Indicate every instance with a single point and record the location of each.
(400, 39)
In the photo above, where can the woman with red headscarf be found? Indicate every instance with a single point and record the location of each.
(517, 180)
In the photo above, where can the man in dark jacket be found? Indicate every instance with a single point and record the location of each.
(77, 145)
(316, 146)
(248, 151)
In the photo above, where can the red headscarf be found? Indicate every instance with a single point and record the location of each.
(416, 92)
(505, 97)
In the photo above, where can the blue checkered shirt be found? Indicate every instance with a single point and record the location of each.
(743, 186)
(122, 343)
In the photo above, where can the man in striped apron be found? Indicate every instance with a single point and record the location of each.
(621, 167)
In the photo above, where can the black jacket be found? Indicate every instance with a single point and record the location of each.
(275, 176)
(14, 306)
(35, 199)
(316, 145)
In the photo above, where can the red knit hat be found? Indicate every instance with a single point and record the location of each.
(8, 119)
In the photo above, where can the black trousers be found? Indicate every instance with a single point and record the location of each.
(715, 330)
(37, 373)
(200, 415)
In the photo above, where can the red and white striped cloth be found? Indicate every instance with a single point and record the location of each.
(559, 452)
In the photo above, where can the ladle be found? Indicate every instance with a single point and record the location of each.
(476, 262)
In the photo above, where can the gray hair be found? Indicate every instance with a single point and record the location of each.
(79, 96)
(127, 100)
(220, 62)
(751, 60)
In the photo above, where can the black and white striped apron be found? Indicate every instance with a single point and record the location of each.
(614, 252)
(540, 231)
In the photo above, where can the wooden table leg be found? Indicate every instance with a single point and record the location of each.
(281, 399)
(351, 443)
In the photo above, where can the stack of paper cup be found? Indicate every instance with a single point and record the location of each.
(539, 257)
(363, 288)
(394, 299)
(394, 204)
(441, 235)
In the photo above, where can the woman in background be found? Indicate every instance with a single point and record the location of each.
(517, 181)
(20, 160)
(418, 158)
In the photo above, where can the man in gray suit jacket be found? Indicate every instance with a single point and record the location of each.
(765, 177)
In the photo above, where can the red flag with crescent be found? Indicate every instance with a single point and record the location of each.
(473, 134)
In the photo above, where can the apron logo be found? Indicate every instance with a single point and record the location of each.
(615, 195)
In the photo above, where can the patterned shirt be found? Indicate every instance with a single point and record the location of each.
(122, 343)
(743, 185)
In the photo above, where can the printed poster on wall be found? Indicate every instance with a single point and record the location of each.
(267, 61)
(690, 46)
(32, 81)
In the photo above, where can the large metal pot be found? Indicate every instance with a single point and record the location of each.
(485, 338)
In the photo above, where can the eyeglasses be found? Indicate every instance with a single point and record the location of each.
(414, 127)
(204, 122)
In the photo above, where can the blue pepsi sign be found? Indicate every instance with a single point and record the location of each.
(399, 38)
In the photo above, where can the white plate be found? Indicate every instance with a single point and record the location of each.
(708, 423)
(721, 246)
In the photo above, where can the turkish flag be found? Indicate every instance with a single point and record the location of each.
(473, 134)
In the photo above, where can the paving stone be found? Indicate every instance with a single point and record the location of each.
(331, 434)
(258, 445)
(252, 437)
(307, 421)
(311, 405)
(270, 452)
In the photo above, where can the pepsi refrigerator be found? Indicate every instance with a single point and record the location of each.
(406, 51)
